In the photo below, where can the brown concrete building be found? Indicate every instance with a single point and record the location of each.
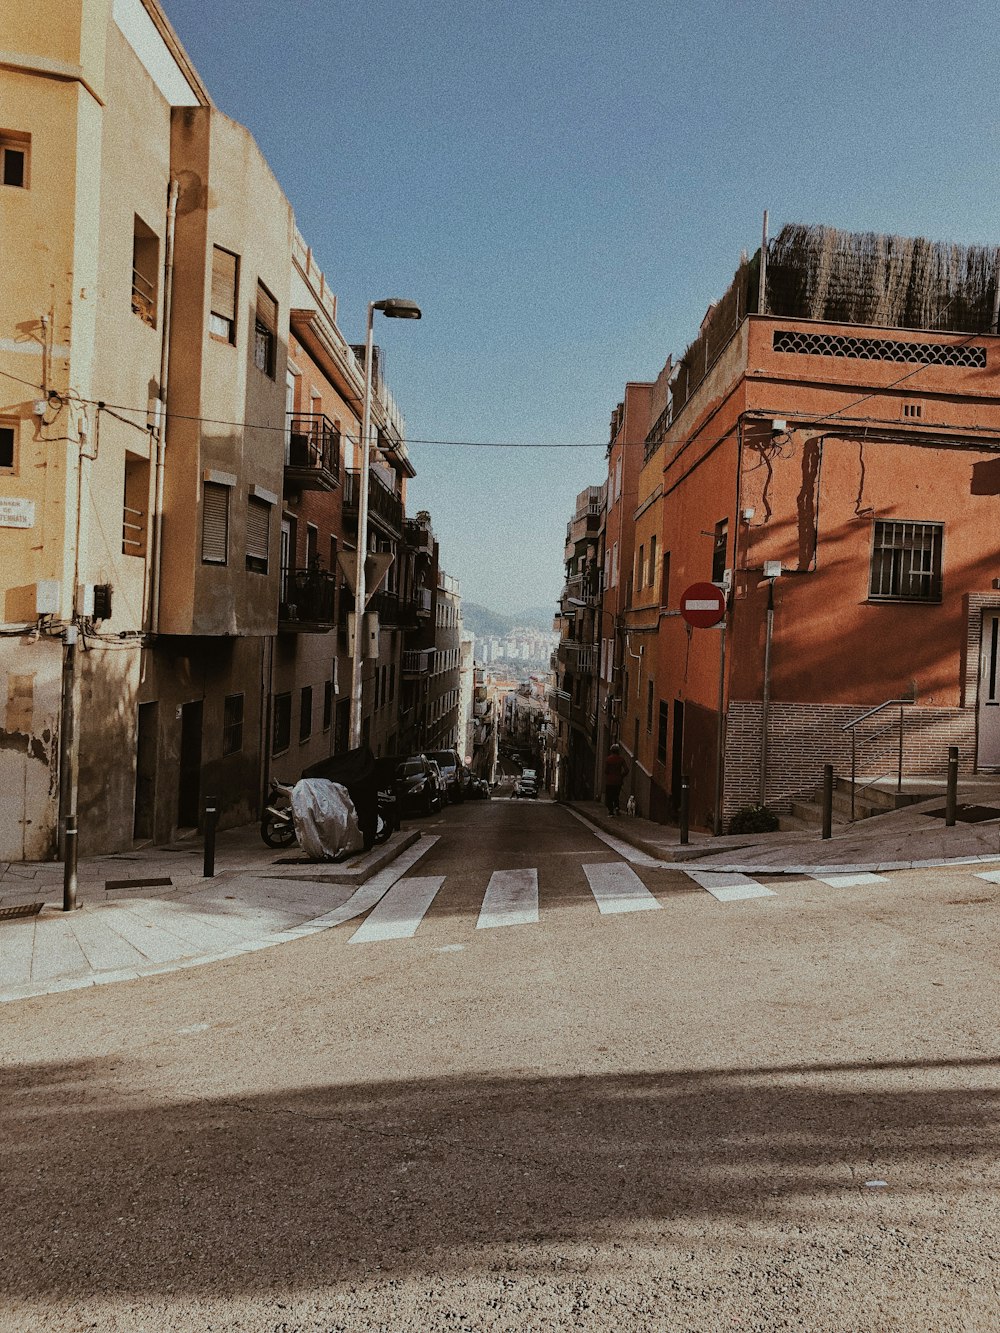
(832, 465)
(574, 698)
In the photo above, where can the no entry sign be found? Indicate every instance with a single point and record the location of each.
(703, 605)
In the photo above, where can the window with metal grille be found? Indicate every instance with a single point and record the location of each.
(651, 580)
(222, 317)
(135, 505)
(878, 349)
(661, 734)
(265, 331)
(906, 562)
(327, 704)
(215, 524)
(282, 723)
(665, 580)
(649, 705)
(258, 534)
(145, 270)
(306, 713)
(232, 724)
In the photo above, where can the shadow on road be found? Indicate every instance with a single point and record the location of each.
(106, 1189)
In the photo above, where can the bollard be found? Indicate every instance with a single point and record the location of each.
(70, 903)
(685, 810)
(827, 800)
(951, 800)
(211, 820)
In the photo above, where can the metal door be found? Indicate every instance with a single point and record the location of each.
(989, 692)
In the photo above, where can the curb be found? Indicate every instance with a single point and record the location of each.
(358, 873)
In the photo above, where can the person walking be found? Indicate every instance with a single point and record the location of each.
(615, 769)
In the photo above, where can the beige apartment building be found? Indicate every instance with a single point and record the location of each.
(165, 464)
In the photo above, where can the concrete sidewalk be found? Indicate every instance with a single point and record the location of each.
(151, 910)
(914, 836)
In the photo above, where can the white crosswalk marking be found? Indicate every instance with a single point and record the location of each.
(729, 885)
(400, 912)
(511, 899)
(618, 888)
(845, 881)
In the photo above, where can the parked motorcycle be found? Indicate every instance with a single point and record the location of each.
(277, 827)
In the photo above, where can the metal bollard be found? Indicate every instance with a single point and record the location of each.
(827, 800)
(685, 810)
(951, 801)
(211, 820)
(70, 903)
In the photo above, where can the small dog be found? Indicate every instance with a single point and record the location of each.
(630, 806)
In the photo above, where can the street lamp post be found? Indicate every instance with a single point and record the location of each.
(394, 307)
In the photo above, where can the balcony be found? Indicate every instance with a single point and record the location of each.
(388, 608)
(385, 508)
(422, 601)
(307, 598)
(419, 537)
(312, 461)
(417, 663)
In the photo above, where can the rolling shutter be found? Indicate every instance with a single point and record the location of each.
(267, 309)
(223, 291)
(258, 530)
(215, 524)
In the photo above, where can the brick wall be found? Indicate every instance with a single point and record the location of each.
(804, 737)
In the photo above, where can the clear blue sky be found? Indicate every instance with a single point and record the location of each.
(564, 186)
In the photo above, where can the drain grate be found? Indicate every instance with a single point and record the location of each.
(20, 909)
(137, 883)
(969, 814)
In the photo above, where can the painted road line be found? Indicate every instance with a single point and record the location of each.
(618, 888)
(990, 876)
(400, 912)
(511, 899)
(624, 849)
(850, 881)
(729, 886)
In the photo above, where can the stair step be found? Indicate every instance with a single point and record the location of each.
(811, 812)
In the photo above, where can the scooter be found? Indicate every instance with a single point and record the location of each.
(277, 827)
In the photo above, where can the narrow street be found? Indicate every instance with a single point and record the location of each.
(646, 1109)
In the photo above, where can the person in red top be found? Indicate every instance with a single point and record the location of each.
(615, 769)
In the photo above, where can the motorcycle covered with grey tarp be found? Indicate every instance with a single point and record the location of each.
(326, 822)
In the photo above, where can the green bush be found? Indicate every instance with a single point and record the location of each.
(754, 819)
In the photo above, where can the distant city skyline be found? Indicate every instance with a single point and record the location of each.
(565, 188)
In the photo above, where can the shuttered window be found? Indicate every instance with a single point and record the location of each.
(265, 331)
(222, 320)
(258, 534)
(215, 524)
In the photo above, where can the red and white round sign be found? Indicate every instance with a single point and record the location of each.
(703, 605)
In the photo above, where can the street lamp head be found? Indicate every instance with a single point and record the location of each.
(397, 307)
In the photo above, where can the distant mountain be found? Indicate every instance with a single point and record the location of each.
(487, 624)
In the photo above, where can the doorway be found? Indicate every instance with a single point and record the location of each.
(989, 693)
(189, 775)
(145, 772)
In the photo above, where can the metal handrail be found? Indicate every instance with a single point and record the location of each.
(850, 726)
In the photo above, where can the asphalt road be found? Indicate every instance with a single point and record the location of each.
(778, 1113)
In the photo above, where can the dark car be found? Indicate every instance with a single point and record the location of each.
(419, 786)
(450, 765)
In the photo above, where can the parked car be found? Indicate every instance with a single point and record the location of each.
(420, 787)
(526, 788)
(450, 765)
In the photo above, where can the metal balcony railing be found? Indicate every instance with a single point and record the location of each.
(417, 663)
(385, 507)
(307, 600)
(313, 452)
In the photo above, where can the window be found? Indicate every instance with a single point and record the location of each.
(652, 562)
(720, 549)
(649, 705)
(225, 283)
(258, 533)
(282, 723)
(232, 724)
(665, 580)
(640, 563)
(265, 331)
(327, 704)
(305, 713)
(145, 271)
(215, 524)
(15, 151)
(135, 505)
(8, 446)
(661, 734)
(906, 562)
